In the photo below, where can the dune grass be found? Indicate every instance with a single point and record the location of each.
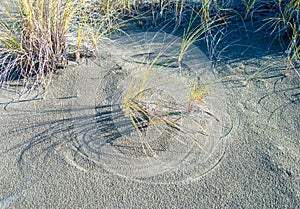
(136, 106)
(33, 33)
(144, 112)
(206, 22)
(33, 38)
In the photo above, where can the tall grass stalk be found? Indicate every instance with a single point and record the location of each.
(249, 6)
(179, 5)
(196, 31)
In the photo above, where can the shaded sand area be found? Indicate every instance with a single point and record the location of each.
(74, 147)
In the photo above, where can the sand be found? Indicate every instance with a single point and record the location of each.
(63, 150)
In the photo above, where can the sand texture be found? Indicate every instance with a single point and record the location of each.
(74, 147)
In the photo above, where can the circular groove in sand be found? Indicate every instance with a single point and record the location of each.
(112, 143)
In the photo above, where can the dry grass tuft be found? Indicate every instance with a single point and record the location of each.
(33, 38)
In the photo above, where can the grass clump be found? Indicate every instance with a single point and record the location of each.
(33, 38)
(136, 102)
(153, 109)
(287, 23)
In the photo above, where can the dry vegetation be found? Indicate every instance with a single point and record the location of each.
(33, 37)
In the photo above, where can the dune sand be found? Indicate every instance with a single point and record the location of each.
(69, 148)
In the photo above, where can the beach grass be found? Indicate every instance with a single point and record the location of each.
(33, 33)
(33, 38)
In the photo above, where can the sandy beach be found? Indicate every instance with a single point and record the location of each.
(66, 150)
